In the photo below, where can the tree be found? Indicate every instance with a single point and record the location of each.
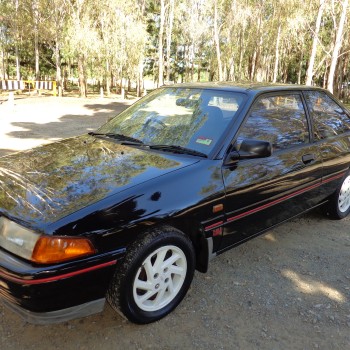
(217, 39)
(160, 44)
(337, 45)
(169, 30)
(82, 39)
(314, 43)
(124, 40)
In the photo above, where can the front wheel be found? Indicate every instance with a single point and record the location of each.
(154, 277)
(339, 203)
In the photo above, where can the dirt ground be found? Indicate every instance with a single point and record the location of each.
(289, 289)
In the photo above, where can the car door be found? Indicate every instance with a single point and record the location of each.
(332, 135)
(263, 192)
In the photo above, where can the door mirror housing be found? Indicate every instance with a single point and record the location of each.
(251, 149)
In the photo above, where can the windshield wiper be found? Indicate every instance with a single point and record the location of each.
(120, 137)
(178, 149)
(166, 148)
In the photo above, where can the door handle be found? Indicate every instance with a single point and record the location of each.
(308, 158)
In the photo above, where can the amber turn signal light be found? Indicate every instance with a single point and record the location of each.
(54, 249)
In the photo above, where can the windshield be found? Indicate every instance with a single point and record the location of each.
(173, 116)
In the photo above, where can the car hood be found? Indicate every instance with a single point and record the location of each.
(41, 185)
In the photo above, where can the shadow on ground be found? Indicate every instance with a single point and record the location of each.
(68, 125)
(4, 152)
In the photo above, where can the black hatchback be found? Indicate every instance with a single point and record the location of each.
(127, 213)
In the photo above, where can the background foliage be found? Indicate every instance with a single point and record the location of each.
(119, 42)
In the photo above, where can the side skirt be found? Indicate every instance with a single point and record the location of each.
(265, 230)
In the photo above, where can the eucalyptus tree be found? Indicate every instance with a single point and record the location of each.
(339, 29)
(54, 33)
(82, 39)
(316, 30)
(217, 28)
(4, 41)
(160, 42)
(193, 32)
(122, 40)
(169, 33)
(122, 35)
(13, 32)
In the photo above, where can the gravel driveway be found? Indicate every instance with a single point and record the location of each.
(289, 289)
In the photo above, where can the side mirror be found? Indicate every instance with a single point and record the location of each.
(253, 149)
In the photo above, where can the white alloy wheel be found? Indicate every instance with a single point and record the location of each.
(344, 196)
(160, 278)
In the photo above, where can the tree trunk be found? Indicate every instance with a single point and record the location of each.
(337, 46)
(81, 71)
(160, 44)
(231, 75)
(275, 71)
(339, 80)
(217, 40)
(18, 73)
(108, 78)
(138, 86)
(310, 70)
(241, 52)
(187, 62)
(192, 55)
(300, 65)
(58, 68)
(168, 38)
(199, 70)
(140, 78)
(36, 37)
(257, 49)
(3, 67)
(345, 75)
(325, 76)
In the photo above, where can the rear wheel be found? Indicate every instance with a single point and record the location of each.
(339, 204)
(154, 277)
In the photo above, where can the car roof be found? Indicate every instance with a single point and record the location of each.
(246, 87)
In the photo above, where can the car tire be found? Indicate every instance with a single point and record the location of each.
(339, 204)
(154, 276)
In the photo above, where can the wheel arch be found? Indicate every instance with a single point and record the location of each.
(201, 244)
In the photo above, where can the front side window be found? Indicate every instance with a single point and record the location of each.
(280, 120)
(329, 118)
(192, 118)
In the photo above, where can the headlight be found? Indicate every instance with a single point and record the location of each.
(42, 249)
(17, 239)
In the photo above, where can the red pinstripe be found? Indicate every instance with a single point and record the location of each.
(270, 204)
(56, 278)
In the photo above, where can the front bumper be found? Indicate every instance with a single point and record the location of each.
(63, 315)
(56, 293)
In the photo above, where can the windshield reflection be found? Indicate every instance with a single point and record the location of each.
(192, 118)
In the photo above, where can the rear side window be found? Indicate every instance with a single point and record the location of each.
(280, 120)
(329, 118)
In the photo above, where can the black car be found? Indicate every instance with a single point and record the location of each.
(127, 213)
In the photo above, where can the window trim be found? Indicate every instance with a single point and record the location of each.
(312, 120)
(276, 94)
